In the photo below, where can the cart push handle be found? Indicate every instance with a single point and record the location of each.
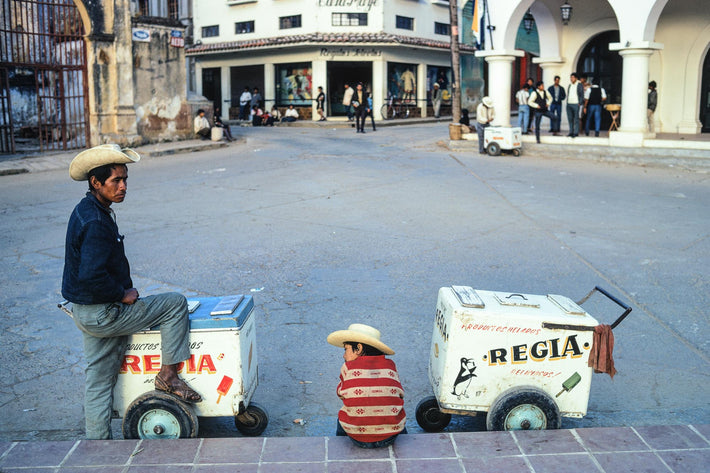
(614, 299)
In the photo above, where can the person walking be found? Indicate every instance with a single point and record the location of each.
(371, 111)
(557, 92)
(347, 101)
(540, 100)
(359, 101)
(320, 104)
(575, 97)
(651, 108)
(485, 113)
(106, 307)
(521, 98)
(436, 99)
(594, 97)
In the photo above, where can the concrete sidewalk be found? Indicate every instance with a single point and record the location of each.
(673, 448)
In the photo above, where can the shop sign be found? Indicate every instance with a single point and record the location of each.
(141, 34)
(176, 39)
(364, 4)
(350, 52)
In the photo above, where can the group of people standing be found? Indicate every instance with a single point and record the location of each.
(358, 104)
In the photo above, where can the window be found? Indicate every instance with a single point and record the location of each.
(349, 19)
(294, 84)
(442, 28)
(143, 8)
(243, 27)
(210, 31)
(405, 23)
(293, 21)
(173, 9)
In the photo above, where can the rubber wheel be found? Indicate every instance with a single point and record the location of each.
(158, 415)
(516, 152)
(523, 408)
(493, 149)
(252, 422)
(429, 417)
(387, 112)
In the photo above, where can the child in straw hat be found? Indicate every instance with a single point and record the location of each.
(373, 399)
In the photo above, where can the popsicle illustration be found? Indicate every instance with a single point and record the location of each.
(224, 386)
(571, 382)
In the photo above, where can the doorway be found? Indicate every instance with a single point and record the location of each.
(249, 77)
(341, 73)
(705, 95)
(212, 86)
(598, 63)
(43, 84)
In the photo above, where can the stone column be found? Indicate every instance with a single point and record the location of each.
(551, 67)
(634, 94)
(379, 85)
(421, 89)
(500, 71)
(319, 75)
(269, 92)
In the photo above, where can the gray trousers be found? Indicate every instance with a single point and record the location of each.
(573, 118)
(106, 328)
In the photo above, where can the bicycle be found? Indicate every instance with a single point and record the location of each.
(394, 108)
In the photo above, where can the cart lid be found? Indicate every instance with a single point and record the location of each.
(227, 312)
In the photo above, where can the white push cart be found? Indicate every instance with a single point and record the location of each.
(222, 367)
(519, 358)
(502, 138)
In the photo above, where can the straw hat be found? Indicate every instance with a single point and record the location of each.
(359, 333)
(487, 101)
(98, 156)
(436, 84)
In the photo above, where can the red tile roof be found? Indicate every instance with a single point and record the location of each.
(323, 38)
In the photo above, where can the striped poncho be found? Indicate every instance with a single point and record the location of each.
(373, 399)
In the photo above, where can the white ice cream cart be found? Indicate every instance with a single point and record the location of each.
(520, 358)
(502, 138)
(222, 367)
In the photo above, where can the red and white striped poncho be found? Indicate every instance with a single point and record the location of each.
(373, 399)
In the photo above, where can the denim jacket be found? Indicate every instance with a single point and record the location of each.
(96, 270)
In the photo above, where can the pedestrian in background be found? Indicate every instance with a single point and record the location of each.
(201, 125)
(220, 124)
(521, 97)
(652, 102)
(347, 101)
(557, 92)
(540, 101)
(359, 101)
(594, 97)
(244, 104)
(320, 104)
(256, 98)
(371, 111)
(485, 113)
(575, 97)
(436, 99)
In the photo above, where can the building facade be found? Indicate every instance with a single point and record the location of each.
(623, 44)
(288, 48)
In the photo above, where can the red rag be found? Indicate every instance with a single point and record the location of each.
(601, 356)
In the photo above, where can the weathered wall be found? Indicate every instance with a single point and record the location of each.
(162, 113)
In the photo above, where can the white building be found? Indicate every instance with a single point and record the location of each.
(625, 44)
(288, 48)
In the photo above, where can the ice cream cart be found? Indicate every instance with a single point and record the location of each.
(519, 358)
(222, 367)
(497, 138)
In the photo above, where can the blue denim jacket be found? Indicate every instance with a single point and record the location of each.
(96, 270)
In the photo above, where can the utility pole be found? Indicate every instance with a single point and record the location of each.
(455, 61)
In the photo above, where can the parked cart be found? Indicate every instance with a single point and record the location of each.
(501, 138)
(521, 359)
(222, 367)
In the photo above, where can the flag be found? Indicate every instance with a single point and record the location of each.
(475, 24)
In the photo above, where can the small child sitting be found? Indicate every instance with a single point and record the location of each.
(373, 399)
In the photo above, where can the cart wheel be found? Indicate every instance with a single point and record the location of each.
(157, 415)
(516, 152)
(429, 417)
(252, 421)
(523, 408)
(493, 149)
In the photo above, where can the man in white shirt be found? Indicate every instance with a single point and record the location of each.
(201, 125)
(245, 104)
(521, 97)
(485, 113)
(575, 97)
(347, 99)
(593, 99)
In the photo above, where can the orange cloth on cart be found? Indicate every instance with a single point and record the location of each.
(601, 356)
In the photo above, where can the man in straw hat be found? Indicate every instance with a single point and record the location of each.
(485, 113)
(107, 308)
(373, 399)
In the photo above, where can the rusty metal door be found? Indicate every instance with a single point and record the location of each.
(43, 82)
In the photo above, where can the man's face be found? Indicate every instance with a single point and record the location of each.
(114, 189)
(573, 79)
(359, 87)
(541, 87)
(557, 81)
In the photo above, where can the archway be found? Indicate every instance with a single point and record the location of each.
(705, 95)
(598, 63)
(43, 81)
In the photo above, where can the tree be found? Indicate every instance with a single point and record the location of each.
(455, 61)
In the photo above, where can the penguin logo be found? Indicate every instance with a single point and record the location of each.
(463, 380)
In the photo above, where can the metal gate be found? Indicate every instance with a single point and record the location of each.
(43, 82)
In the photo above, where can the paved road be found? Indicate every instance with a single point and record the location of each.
(325, 227)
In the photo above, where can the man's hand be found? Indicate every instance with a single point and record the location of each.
(130, 296)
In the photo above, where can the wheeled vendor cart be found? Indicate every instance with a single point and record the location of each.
(519, 358)
(222, 367)
(502, 138)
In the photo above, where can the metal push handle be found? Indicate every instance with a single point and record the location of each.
(63, 306)
(584, 328)
(626, 308)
